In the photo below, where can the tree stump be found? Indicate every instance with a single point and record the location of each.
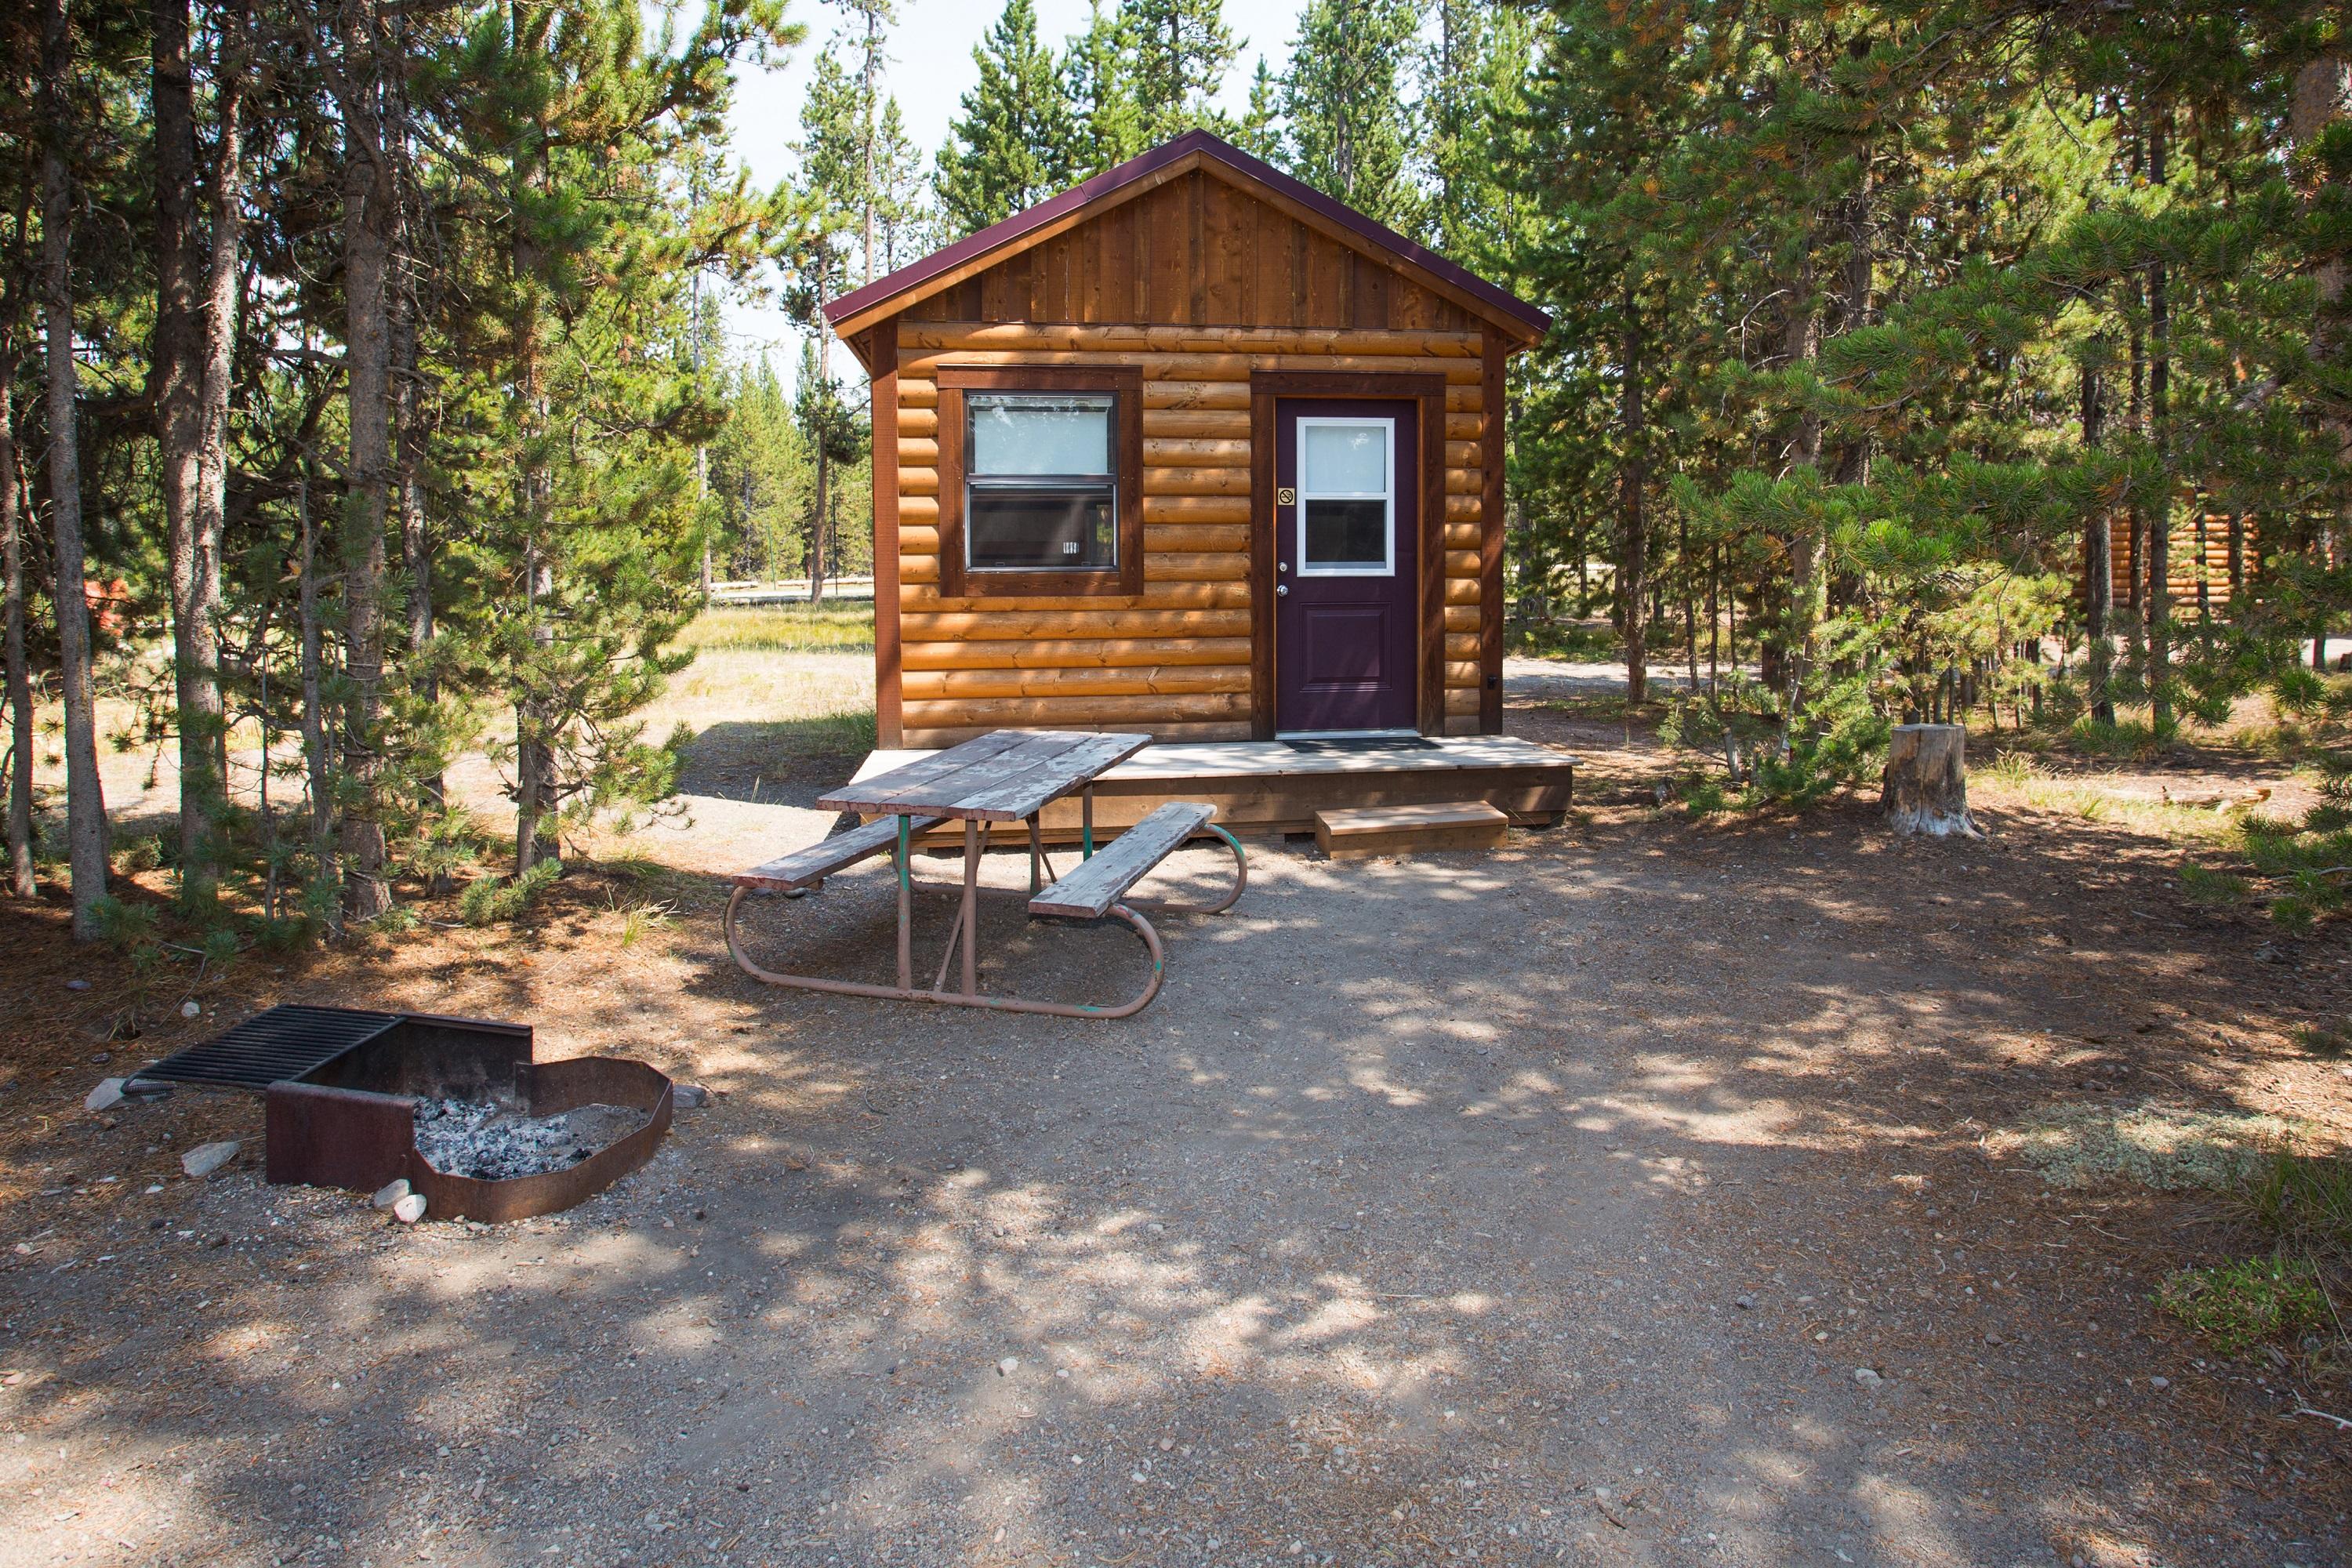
(1926, 781)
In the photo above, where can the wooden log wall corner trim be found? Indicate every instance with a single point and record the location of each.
(882, 354)
(1492, 533)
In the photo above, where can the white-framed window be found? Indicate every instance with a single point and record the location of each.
(1347, 496)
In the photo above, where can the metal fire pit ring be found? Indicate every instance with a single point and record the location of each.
(339, 1089)
(555, 1088)
(361, 1139)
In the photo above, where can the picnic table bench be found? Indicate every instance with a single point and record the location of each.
(1006, 776)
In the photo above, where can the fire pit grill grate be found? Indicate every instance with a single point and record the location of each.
(285, 1042)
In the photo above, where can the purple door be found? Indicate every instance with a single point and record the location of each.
(1346, 528)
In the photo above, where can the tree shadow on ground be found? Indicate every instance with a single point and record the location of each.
(780, 763)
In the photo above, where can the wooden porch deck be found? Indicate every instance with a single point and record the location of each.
(1270, 786)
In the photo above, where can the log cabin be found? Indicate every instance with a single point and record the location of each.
(1195, 450)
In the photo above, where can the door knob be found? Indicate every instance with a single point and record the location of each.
(1281, 590)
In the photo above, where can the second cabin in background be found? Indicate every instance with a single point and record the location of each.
(1193, 449)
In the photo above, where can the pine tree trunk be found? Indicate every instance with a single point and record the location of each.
(19, 684)
(2323, 98)
(2098, 566)
(824, 473)
(2135, 555)
(1801, 347)
(1856, 278)
(416, 540)
(1690, 600)
(203, 738)
(84, 802)
(2160, 535)
(1715, 621)
(175, 384)
(816, 526)
(1633, 537)
(534, 751)
(410, 433)
(370, 216)
(316, 763)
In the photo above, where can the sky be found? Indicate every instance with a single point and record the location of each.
(931, 69)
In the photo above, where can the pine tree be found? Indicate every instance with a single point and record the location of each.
(1348, 129)
(902, 202)
(19, 46)
(62, 111)
(1260, 132)
(1105, 124)
(1473, 75)
(873, 15)
(1179, 52)
(1006, 150)
(596, 231)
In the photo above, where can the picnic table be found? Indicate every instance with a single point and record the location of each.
(1006, 776)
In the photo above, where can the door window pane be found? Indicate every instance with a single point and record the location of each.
(1042, 528)
(1014, 433)
(1344, 458)
(1346, 504)
(1353, 533)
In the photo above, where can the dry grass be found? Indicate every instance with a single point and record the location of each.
(2094, 800)
(837, 627)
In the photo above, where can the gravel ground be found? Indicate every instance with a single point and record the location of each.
(1540, 1206)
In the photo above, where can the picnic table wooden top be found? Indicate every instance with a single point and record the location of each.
(1006, 775)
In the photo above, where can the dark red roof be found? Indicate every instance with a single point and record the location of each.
(1012, 230)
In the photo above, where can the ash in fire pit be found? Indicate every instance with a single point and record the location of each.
(493, 1143)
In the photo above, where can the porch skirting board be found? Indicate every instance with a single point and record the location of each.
(1269, 787)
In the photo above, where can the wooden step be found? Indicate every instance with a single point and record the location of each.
(1400, 829)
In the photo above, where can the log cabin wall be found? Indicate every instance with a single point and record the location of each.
(2228, 559)
(1197, 284)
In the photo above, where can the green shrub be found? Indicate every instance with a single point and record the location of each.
(221, 947)
(2125, 738)
(487, 901)
(139, 855)
(2237, 1306)
(2204, 887)
(283, 933)
(1702, 795)
(129, 929)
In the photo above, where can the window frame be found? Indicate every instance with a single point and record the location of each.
(1123, 384)
(1388, 497)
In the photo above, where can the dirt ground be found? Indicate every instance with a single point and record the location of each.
(1528, 1207)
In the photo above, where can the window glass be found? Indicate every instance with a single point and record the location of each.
(1042, 528)
(1014, 433)
(1347, 511)
(1345, 533)
(1349, 458)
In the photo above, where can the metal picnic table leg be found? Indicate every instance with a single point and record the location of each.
(971, 907)
(906, 898)
(1036, 853)
(1087, 823)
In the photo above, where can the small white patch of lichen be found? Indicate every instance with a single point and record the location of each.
(2167, 1148)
